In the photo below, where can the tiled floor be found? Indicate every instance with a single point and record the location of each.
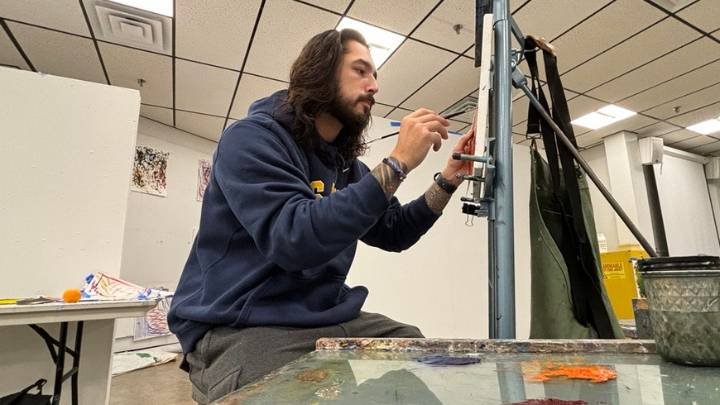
(164, 384)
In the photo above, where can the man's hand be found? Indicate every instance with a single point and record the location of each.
(456, 167)
(419, 131)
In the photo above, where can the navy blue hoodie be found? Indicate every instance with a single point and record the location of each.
(278, 231)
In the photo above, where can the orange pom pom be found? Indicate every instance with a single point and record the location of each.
(71, 295)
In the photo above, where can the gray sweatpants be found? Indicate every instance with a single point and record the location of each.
(225, 359)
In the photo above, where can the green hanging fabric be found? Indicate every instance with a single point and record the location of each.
(568, 298)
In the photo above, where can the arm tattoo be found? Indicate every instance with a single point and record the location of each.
(388, 179)
(437, 198)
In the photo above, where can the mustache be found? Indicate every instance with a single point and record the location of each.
(368, 98)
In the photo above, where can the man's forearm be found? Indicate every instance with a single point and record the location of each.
(388, 179)
(437, 198)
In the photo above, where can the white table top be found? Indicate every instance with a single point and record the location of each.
(63, 312)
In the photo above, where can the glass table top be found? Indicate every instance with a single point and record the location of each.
(386, 377)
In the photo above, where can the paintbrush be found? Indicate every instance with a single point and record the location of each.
(447, 117)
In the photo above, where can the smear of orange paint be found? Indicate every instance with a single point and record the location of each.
(593, 373)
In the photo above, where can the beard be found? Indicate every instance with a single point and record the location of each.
(354, 124)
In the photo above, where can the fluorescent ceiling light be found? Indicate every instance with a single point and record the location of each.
(164, 7)
(603, 117)
(382, 42)
(706, 127)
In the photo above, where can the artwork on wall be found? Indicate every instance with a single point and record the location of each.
(204, 168)
(150, 171)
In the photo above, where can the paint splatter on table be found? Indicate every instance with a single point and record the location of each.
(542, 372)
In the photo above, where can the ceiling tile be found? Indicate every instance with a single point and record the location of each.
(704, 14)
(215, 32)
(284, 28)
(252, 88)
(164, 115)
(549, 18)
(582, 105)
(398, 114)
(626, 17)
(203, 88)
(397, 82)
(400, 15)
(337, 6)
(708, 148)
(698, 115)
(447, 88)
(692, 143)
(9, 55)
(380, 110)
(682, 60)
(677, 136)
(63, 15)
(657, 129)
(690, 102)
(206, 126)
(59, 54)
(456, 125)
(125, 66)
(590, 137)
(629, 55)
(438, 28)
(675, 88)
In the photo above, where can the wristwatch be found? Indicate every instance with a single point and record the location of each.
(444, 184)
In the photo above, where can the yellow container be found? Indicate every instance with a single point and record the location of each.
(619, 278)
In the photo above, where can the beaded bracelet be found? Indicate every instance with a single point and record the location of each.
(395, 166)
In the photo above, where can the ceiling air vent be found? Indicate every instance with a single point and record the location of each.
(130, 26)
(468, 104)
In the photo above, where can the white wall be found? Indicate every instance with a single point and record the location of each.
(440, 284)
(685, 202)
(604, 214)
(159, 231)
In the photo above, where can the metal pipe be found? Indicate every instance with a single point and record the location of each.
(521, 83)
(504, 249)
(656, 216)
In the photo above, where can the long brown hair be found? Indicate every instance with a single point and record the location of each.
(314, 86)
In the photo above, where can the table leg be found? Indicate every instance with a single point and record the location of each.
(60, 364)
(76, 361)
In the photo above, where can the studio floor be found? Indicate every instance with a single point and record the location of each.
(163, 384)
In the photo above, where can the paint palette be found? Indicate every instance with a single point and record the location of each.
(406, 371)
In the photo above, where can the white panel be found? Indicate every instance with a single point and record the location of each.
(379, 110)
(687, 103)
(704, 14)
(206, 126)
(215, 31)
(699, 115)
(438, 28)
(203, 88)
(63, 15)
(164, 115)
(397, 82)
(549, 18)
(338, 6)
(685, 203)
(677, 136)
(253, 88)
(684, 59)
(602, 211)
(64, 173)
(447, 88)
(59, 54)
(285, 27)
(640, 49)
(400, 15)
(9, 55)
(678, 87)
(125, 66)
(626, 17)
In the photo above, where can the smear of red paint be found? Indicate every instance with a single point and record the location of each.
(593, 373)
(549, 401)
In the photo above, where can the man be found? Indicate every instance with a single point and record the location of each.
(286, 205)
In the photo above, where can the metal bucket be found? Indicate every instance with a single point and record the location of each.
(683, 295)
